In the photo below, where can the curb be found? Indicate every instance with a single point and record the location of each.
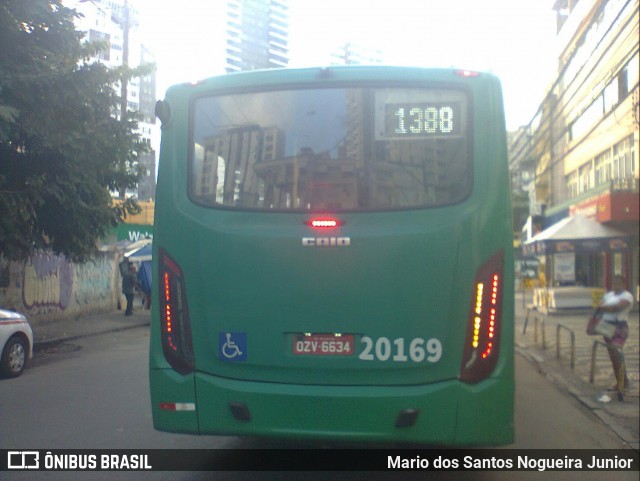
(43, 345)
(624, 434)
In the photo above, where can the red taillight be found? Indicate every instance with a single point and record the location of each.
(174, 315)
(467, 73)
(483, 334)
(168, 310)
(324, 222)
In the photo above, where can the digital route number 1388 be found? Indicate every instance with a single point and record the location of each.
(413, 120)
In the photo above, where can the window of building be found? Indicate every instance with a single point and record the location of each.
(585, 181)
(587, 119)
(623, 83)
(624, 159)
(610, 94)
(96, 36)
(572, 184)
(603, 167)
(632, 73)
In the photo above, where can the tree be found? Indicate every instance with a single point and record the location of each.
(61, 148)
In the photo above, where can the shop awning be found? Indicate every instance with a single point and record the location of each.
(577, 234)
(141, 254)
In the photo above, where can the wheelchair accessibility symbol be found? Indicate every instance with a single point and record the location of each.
(232, 346)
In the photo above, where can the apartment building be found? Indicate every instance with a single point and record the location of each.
(115, 22)
(579, 153)
(257, 34)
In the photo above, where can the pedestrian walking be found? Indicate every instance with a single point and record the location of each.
(615, 307)
(129, 284)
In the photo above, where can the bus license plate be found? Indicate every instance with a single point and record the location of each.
(323, 345)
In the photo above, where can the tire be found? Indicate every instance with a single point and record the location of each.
(14, 357)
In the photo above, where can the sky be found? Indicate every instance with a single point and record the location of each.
(514, 39)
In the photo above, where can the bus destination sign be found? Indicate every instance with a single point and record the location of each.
(423, 120)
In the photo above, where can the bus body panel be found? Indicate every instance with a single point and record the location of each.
(169, 385)
(403, 286)
(380, 286)
(327, 412)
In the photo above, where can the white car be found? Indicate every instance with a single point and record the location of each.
(16, 343)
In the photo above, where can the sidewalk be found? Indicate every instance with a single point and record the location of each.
(539, 344)
(47, 334)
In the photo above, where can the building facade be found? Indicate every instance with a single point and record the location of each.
(579, 154)
(115, 23)
(257, 35)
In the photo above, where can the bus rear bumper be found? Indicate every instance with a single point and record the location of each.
(444, 413)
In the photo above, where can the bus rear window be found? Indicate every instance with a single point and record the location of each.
(338, 149)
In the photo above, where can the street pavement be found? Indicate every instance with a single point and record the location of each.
(537, 343)
(52, 333)
(590, 377)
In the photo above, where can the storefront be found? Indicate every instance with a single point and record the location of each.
(617, 208)
(579, 256)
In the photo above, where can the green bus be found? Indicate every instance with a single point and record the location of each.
(333, 257)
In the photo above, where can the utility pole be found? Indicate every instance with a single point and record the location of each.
(125, 24)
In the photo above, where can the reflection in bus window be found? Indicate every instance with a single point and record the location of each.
(341, 149)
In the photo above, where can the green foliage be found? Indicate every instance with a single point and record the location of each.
(61, 148)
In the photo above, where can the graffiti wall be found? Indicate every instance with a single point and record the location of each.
(49, 287)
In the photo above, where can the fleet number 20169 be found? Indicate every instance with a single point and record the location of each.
(397, 350)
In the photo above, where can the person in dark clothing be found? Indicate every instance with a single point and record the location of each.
(129, 284)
